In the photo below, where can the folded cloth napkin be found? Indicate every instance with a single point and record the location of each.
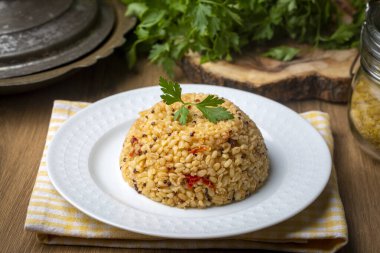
(319, 228)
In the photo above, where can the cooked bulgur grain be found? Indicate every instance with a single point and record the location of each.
(197, 165)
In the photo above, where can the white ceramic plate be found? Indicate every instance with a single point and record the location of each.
(83, 164)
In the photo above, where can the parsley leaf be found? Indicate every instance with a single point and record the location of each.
(211, 100)
(215, 114)
(181, 115)
(172, 91)
(282, 53)
(209, 106)
(137, 9)
(202, 12)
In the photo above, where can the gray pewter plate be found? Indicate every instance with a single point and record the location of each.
(55, 34)
(114, 39)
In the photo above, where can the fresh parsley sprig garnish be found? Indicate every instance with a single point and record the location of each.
(209, 106)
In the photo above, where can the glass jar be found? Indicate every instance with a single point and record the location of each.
(364, 107)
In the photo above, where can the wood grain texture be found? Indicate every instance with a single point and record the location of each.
(315, 73)
(23, 126)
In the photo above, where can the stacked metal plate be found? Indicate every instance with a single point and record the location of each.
(41, 35)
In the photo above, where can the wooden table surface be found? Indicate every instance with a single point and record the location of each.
(24, 122)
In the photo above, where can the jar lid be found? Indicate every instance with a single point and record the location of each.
(370, 40)
(37, 35)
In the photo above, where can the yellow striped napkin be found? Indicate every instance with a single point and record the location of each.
(319, 228)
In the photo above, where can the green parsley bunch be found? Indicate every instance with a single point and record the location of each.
(167, 29)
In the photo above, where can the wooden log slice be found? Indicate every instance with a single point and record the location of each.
(316, 73)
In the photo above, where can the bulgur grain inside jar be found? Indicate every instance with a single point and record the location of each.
(364, 113)
(364, 107)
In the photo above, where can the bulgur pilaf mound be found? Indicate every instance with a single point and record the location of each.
(196, 165)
